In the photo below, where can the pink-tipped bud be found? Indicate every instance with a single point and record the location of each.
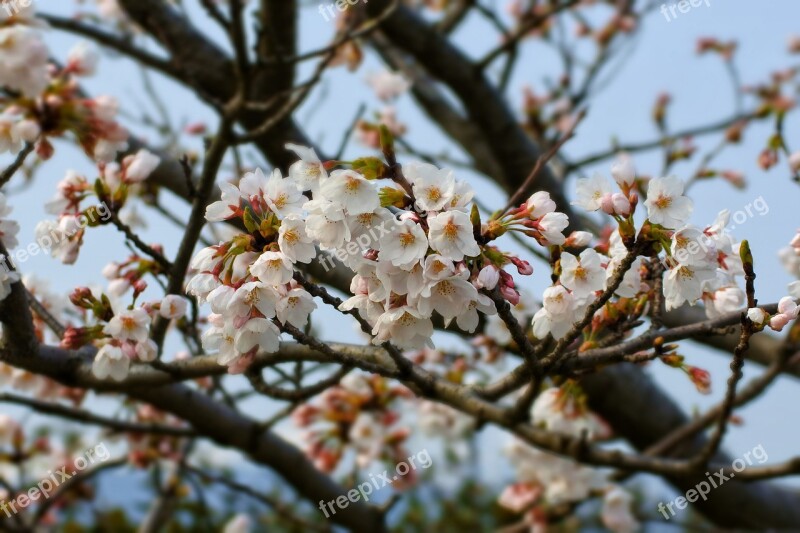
(523, 267)
(578, 239)
(488, 277)
(623, 171)
(622, 205)
(510, 294)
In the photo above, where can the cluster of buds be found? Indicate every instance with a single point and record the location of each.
(699, 377)
(360, 412)
(130, 274)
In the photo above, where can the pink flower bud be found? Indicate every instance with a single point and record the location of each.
(701, 379)
(510, 294)
(196, 128)
(778, 321)
(756, 315)
(28, 130)
(623, 171)
(794, 161)
(488, 277)
(83, 59)
(622, 206)
(579, 239)
(139, 286)
(607, 203)
(787, 307)
(523, 267)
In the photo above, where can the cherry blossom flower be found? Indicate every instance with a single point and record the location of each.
(590, 192)
(451, 234)
(326, 223)
(201, 285)
(388, 85)
(449, 296)
(83, 59)
(221, 337)
(579, 239)
(666, 204)
(281, 195)
(351, 191)
(366, 230)
(253, 295)
(616, 512)
(405, 327)
(294, 241)
(10, 140)
(146, 351)
(309, 171)
(132, 325)
(684, 283)
(369, 309)
(8, 429)
(692, 247)
(557, 315)
(221, 299)
(273, 268)
(563, 480)
(462, 196)
(555, 411)
(724, 300)
(110, 361)
(519, 497)
(616, 204)
(295, 307)
(539, 204)
(173, 306)
(582, 276)
(138, 167)
(227, 206)
(433, 187)
(439, 420)
(632, 280)
(391, 279)
(238, 524)
(551, 227)
(23, 60)
(258, 333)
(405, 245)
(61, 239)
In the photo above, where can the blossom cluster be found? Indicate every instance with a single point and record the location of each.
(427, 260)
(544, 479)
(122, 333)
(361, 411)
(64, 237)
(42, 101)
(700, 264)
